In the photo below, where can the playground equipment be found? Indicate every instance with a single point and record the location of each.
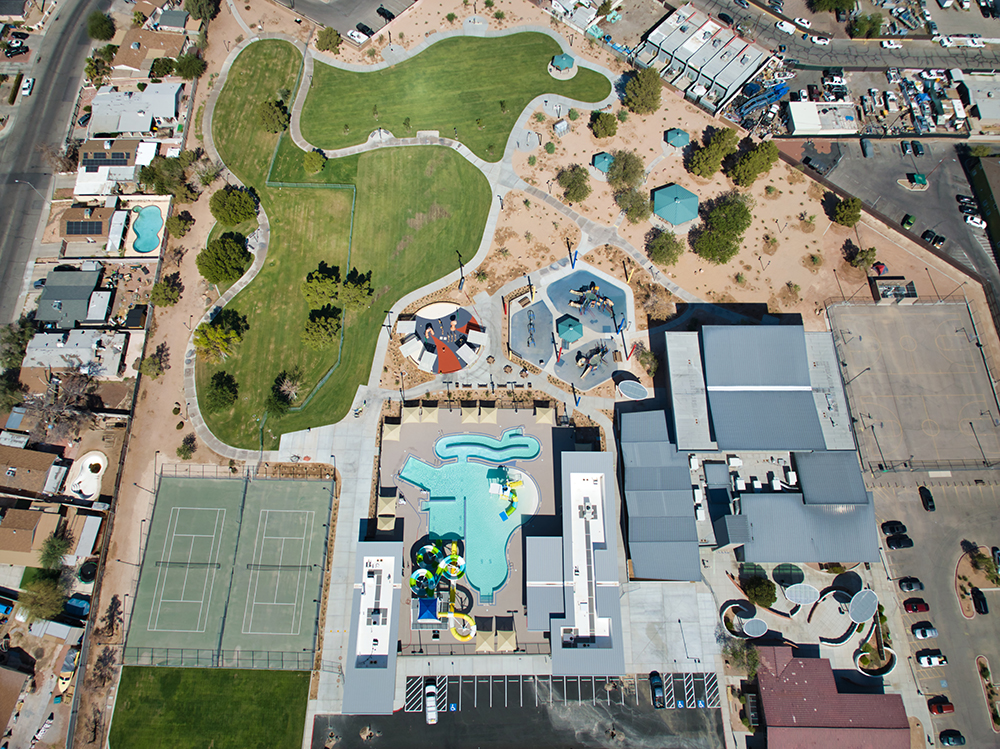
(465, 632)
(506, 488)
(592, 361)
(428, 556)
(452, 567)
(423, 583)
(590, 297)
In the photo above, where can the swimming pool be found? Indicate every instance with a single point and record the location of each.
(461, 505)
(147, 227)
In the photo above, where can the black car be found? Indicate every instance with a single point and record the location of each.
(83, 120)
(995, 551)
(926, 498)
(899, 542)
(656, 690)
(366, 30)
(965, 199)
(893, 528)
(918, 147)
(15, 51)
(939, 240)
(952, 738)
(726, 19)
(841, 16)
(19, 35)
(387, 14)
(979, 601)
(984, 10)
(928, 236)
(968, 210)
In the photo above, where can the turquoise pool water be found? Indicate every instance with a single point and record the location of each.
(147, 228)
(461, 506)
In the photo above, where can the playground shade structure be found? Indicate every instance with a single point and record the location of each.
(677, 138)
(562, 62)
(603, 162)
(569, 328)
(675, 205)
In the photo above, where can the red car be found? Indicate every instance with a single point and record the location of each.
(941, 708)
(916, 606)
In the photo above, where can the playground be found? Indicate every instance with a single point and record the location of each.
(469, 486)
(230, 573)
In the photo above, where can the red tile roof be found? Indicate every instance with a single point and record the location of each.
(802, 708)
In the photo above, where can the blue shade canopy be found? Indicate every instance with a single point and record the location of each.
(675, 205)
(569, 328)
(602, 161)
(678, 138)
(562, 62)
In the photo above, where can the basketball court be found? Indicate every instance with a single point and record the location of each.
(232, 574)
(918, 388)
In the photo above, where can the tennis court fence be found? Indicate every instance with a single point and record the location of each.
(303, 660)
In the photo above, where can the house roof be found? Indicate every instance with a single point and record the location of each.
(12, 8)
(802, 707)
(141, 46)
(66, 297)
(133, 111)
(81, 222)
(24, 471)
(172, 19)
(17, 529)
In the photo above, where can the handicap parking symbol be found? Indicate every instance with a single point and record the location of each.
(680, 703)
(452, 707)
(701, 703)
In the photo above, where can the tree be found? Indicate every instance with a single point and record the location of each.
(215, 342)
(663, 247)
(96, 69)
(166, 176)
(832, 5)
(313, 162)
(164, 294)
(758, 160)
(43, 598)
(222, 391)
(981, 151)
(11, 390)
(627, 171)
(190, 66)
(722, 234)
(54, 548)
(603, 124)
(575, 183)
(637, 205)
(14, 339)
(451, 17)
(707, 160)
(188, 445)
(64, 408)
(328, 40)
(112, 616)
(151, 367)
(179, 224)
(741, 653)
(321, 287)
(232, 205)
(604, 8)
(865, 258)
(100, 26)
(320, 331)
(274, 116)
(356, 291)
(138, 18)
(224, 260)
(760, 591)
(642, 92)
(866, 27)
(161, 67)
(202, 9)
(847, 212)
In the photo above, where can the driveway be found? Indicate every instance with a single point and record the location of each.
(964, 512)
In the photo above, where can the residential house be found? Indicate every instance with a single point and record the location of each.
(12, 10)
(30, 473)
(99, 353)
(104, 164)
(71, 298)
(140, 47)
(114, 112)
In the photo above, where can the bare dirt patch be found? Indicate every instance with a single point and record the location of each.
(434, 213)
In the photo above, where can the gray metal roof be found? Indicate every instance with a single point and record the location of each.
(665, 560)
(667, 529)
(731, 529)
(66, 297)
(831, 478)
(371, 691)
(673, 503)
(173, 19)
(766, 420)
(754, 356)
(657, 478)
(647, 453)
(643, 426)
(828, 391)
(688, 398)
(544, 557)
(543, 602)
(717, 474)
(784, 529)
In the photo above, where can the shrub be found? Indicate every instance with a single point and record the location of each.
(232, 206)
(499, 15)
(100, 26)
(188, 445)
(451, 17)
(864, 258)
(573, 115)
(274, 116)
(760, 591)
(642, 92)
(575, 183)
(664, 248)
(603, 125)
(224, 260)
(190, 66)
(622, 116)
(848, 212)
(550, 147)
(161, 67)
(313, 162)
(328, 40)
(222, 391)
(532, 160)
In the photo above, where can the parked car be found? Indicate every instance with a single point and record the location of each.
(910, 584)
(785, 27)
(939, 240)
(979, 602)
(899, 542)
(975, 221)
(924, 632)
(841, 16)
(968, 210)
(996, 556)
(952, 738)
(918, 147)
(930, 660)
(908, 221)
(941, 708)
(39, 284)
(893, 527)
(656, 690)
(916, 606)
(726, 19)
(356, 36)
(905, 147)
(928, 236)
(366, 30)
(84, 119)
(15, 51)
(385, 13)
(27, 86)
(889, 44)
(430, 703)
(19, 35)
(822, 41)
(926, 498)
(804, 23)
(742, 3)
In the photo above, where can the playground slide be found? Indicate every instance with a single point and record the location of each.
(452, 616)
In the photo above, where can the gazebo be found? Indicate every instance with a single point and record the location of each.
(569, 328)
(675, 205)
(602, 161)
(562, 62)
(677, 138)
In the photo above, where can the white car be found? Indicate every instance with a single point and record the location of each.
(785, 27)
(929, 661)
(356, 36)
(804, 23)
(976, 43)
(946, 42)
(975, 221)
(430, 704)
(925, 633)
(890, 44)
(820, 40)
(27, 86)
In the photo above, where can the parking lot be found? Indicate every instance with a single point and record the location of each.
(344, 15)
(518, 711)
(966, 510)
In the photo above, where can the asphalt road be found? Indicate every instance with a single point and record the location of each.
(963, 512)
(857, 54)
(40, 118)
(344, 15)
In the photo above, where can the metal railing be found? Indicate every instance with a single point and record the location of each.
(272, 660)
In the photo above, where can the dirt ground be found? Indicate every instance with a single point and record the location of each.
(965, 578)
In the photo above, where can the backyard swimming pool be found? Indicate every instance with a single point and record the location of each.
(147, 227)
(462, 506)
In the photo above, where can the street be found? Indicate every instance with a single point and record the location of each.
(41, 118)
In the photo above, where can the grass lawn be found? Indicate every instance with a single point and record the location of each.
(447, 87)
(176, 708)
(415, 208)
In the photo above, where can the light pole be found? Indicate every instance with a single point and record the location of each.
(22, 182)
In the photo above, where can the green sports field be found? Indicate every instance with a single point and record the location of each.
(189, 708)
(455, 87)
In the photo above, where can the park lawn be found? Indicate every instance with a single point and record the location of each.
(288, 167)
(415, 209)
(177, 708)
(447, 87)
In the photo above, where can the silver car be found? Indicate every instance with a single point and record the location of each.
(925, 633)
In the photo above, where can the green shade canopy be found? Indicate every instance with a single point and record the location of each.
(562, 62)
(675, 205)
(919, 179)
(602, 161)
(677, 138)
(569, 328)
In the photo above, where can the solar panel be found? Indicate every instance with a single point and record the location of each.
(84, 227)
(113, 158)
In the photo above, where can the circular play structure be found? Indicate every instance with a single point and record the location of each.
(86, 474)
(433, 566)
(452, 567)
(442, 338)
(428, 556)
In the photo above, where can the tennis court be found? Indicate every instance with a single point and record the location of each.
(232, 574)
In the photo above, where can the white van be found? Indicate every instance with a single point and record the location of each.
(430, 704)
(785, 26)
(27, 86)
